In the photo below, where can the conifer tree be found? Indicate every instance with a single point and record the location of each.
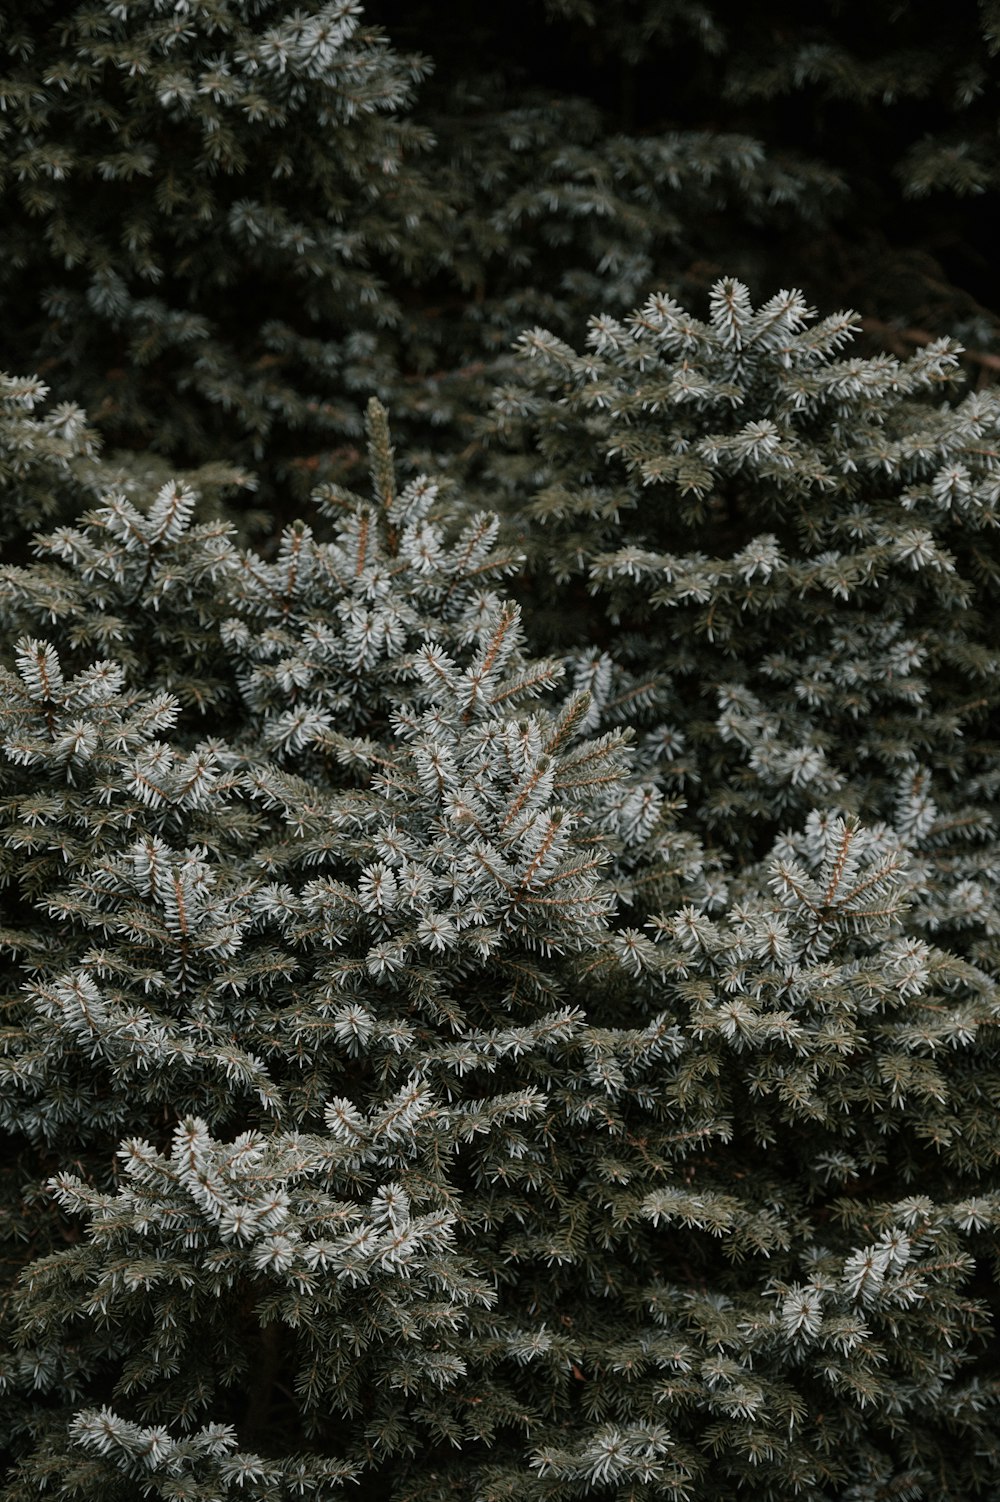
(226, 227)
(500, 941)
(189, 195)
(884, 115)
(414, 1111)
(778, 561)
(901, 101)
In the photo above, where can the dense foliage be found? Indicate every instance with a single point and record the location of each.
(499, 938)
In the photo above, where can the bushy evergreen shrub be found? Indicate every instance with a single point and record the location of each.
(421, 1107)
(227, 226)
(500, 963)
(777, 561)
(190, 192)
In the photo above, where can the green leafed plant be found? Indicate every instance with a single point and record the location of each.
(777, 561)
(398, 1097)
